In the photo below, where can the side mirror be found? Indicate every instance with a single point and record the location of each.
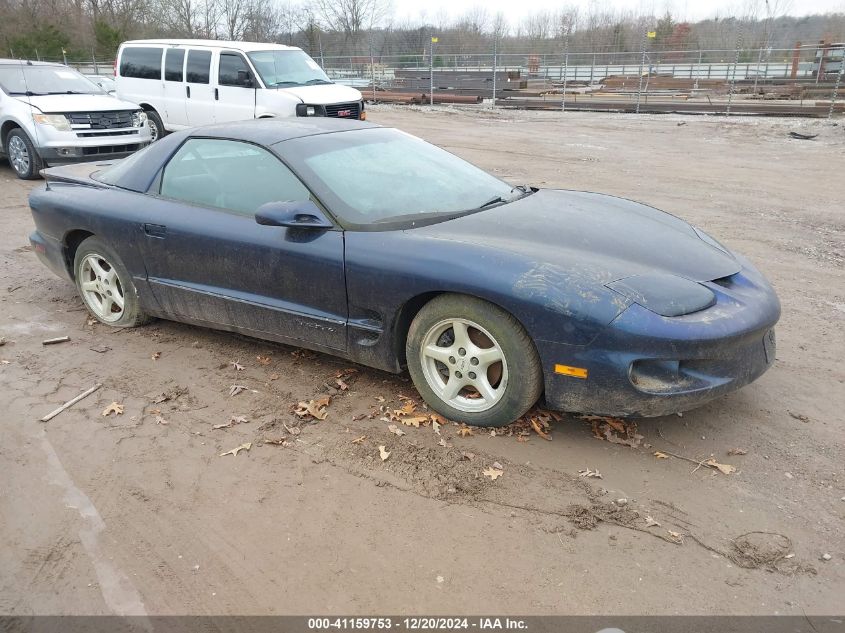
(244, 79)
(294, 215)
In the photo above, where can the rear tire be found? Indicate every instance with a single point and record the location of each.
(22, 155)
(156, 125)
(473, 362)
(106, 286)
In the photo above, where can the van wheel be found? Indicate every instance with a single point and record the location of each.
(22, 155)
(156, 125)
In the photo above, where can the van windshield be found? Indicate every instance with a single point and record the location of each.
(22, 79)
(282, 69)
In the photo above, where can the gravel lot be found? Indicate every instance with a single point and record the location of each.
(138, 513)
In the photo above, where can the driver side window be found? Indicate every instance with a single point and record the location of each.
(231, 175)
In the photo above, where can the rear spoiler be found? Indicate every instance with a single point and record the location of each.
(77, 174)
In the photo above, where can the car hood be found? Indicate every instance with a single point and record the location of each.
(322, 94)
(78, 103)
(598, 236)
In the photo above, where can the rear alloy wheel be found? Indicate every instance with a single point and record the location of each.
(105, 285)
(22, 155)
(472, 362)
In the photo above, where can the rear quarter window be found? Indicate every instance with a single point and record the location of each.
(141, 63)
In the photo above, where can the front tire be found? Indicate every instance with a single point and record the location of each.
(156, 125)
(22, 155)
(106, 286)
(473, 362)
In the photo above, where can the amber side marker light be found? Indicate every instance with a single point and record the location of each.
(575, 372)
(363, 116)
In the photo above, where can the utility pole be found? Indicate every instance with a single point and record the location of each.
(431, 71)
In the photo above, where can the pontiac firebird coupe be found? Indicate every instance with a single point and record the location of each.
(368, 243)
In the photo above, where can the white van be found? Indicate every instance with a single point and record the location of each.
(186, 83)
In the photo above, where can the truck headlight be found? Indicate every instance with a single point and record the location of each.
(307, 110)
(139, 118)
(58, 121)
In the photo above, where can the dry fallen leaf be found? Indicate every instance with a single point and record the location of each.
(281, 441)
(156, 356)
(314, 408)
(395, 430)
(436, 427)
(274, 376)
(737, 451)
(383, 453)
(660, 455)
(243, 447)
(407, 409)
(161, 420)
(237, 365)
(341, 385)
(467, 455)
(236, 389)
(379, 398)
(443, 443)
(676, 536)
(521, 438)
(590, 473)
(726, 469)
(492, 473)
(465, 431)
(115, 408)
(649, 522)
(535, 424)
(415, 421)
(359, 440)
(263, 360)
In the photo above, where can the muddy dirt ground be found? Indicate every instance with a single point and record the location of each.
(139, 513)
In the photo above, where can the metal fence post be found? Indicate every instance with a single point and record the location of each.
(642, 63)
(495, 51)
(733, 75)
(836, 86)
(431, 72)
(565, 73)
(372, 68)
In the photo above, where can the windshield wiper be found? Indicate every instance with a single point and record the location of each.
(523, 189)
(285, 83)
(314, 82)
(29, 93)
(68, 92)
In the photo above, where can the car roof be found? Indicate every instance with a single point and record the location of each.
(265, 132)
(26, 62)
(245, 47)
(271, 131)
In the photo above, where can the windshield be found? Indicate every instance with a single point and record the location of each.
(281, 69)
(382, 175)
(45, 80)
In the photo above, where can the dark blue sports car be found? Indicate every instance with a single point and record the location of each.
(368, 243)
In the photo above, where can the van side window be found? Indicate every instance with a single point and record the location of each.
(233, 70)
(141, 63)
(173, 61)
(198, 70)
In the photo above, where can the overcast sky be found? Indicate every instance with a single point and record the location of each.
(690, 10)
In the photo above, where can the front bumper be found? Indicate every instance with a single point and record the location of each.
(646, 365)
(59, 147)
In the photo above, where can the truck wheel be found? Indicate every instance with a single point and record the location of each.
(22, 155)
(156, 125)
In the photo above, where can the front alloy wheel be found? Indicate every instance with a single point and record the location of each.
(464, 365)
(473, 362)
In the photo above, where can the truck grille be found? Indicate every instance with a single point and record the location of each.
(101, 120)
(344, 110)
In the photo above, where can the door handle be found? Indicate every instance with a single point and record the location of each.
(155, 230)
(188, 91)
(216, 95)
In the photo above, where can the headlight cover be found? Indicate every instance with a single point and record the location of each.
(139, 118)
(664, 294)
(58, 121)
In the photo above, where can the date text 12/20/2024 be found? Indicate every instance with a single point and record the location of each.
(416, 624)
